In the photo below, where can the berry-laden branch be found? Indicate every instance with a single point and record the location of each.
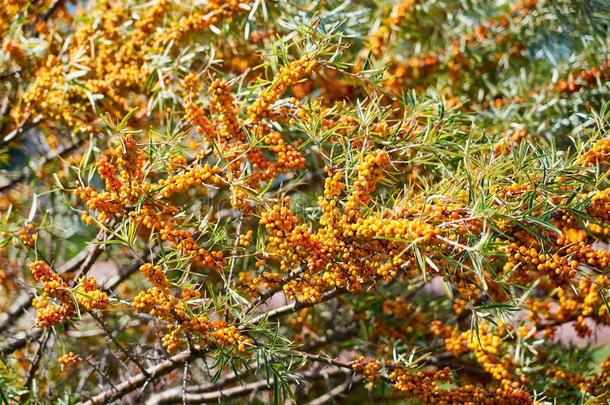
(206, 200)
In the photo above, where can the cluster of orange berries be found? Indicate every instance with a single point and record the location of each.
(107, 172)
(578, 303)
(591, 290)
(155, 275)
(414, 69)
(68, 360)
(223, 103)
(399, 321)
(369, 368)
(288, 75)
(457, 61)
(504, 145)
(245, 239)
(426, 385)
(190, 84)
(232, 138)
(88, 297)
(47, 96)
(514, 190)
(161, 304)
(598, 154)
(400, 229)
(27, 235)
(130, 158)
(578, 248)
(230, 336)
(293, 242)
(197, 20)
(486, 345)
(48, 314)
(196, 115)
(367, 247)
(523, 261)
(171, 340)
(239, 200)
(121, 192)
(483, 29)
(585, 78)
(55, 287)
(596, 385)
(329, 204)
(287, 157)
(194, 177)
(105, 203)
(420, 384)
(599, 208)
(124, 193)
(182, 239)
(378, 40)
(369, 173)
(254, 283)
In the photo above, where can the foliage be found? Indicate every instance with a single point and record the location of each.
(302, 200)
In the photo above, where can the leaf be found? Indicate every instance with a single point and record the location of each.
(33, 207)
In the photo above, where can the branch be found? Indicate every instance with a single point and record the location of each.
(263, 297)
(26, 174)
(21, 305)
(172, 396)
(34, 367)
(176, 361)
(24, 127)
(139, 380)
(290, 308)
(339, 390)
(20, 341)
(175, 394)
(111, 335)
(338, 335)
(24, 338)
(83, 260)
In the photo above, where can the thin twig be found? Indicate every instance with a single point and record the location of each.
(112, 337)
(34, 367)
(339, 390)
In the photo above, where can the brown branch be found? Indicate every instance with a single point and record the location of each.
(177, 360)
(265, 296)
(24, 338)
(20, 341)
(83, 260)
(339, 390)
(26, 174)
(174, 394)
(24, 127)
(338, 335)
(111, 335)
(139, 380)
(171, 396)
(20, 306)
(34, 368)
(290, 308)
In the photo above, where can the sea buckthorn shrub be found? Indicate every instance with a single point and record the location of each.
(304, 201)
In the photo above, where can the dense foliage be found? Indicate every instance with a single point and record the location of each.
(303, 201)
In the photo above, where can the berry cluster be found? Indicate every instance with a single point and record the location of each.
(86, 297)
